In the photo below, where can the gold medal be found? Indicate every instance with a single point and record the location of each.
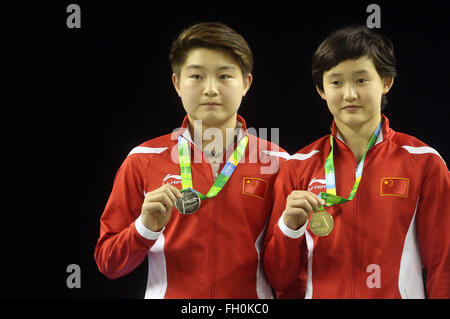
(321, 223)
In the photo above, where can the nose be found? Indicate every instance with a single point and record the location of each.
(210, 89)
(350, 93)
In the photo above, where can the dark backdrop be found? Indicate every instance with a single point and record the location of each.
(76, 101)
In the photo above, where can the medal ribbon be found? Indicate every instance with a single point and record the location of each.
(225, 173)
(330, 196)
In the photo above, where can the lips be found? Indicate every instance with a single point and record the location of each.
(210, 104)
(351, 107)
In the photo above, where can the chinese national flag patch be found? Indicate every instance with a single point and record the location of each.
(254, 187)
(394, 186)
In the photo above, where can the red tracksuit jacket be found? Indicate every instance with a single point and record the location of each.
(398, 221)
(214, 253)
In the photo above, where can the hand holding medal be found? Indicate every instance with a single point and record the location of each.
(157, 207)
(299, 206)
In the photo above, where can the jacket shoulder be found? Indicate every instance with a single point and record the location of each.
(156, 145)
(313, 151)
(416, 148)
(267, 149)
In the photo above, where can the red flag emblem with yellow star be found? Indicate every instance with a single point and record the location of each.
(394, 186)
(254, 186)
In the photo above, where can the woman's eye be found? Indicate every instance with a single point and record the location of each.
(361, 81)
(195, 77)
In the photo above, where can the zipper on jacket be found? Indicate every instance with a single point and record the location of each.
(354, 239)
(214, 253)
(357, 244)
(355, 249)
(214, 238)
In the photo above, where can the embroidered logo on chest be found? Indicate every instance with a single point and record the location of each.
(317, 185)
(254, 187)
(394, 186)
(171, 179)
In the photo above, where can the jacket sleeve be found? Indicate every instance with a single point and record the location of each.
(284, 249)
(433, 228)
(124, 241)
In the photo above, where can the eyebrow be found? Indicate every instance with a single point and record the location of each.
(223, 67)
(340, 74)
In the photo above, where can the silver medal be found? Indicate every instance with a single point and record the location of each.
(189, 203)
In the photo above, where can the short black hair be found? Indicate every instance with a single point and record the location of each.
(351, 43)
(213, 35)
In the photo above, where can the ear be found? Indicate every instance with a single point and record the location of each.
(322, 94)
(247, 83)
(176, 83)
(387, 84)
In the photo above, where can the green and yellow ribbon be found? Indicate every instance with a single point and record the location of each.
(222, 178)
(330, 196)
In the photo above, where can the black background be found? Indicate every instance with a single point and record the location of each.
(76, 101)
